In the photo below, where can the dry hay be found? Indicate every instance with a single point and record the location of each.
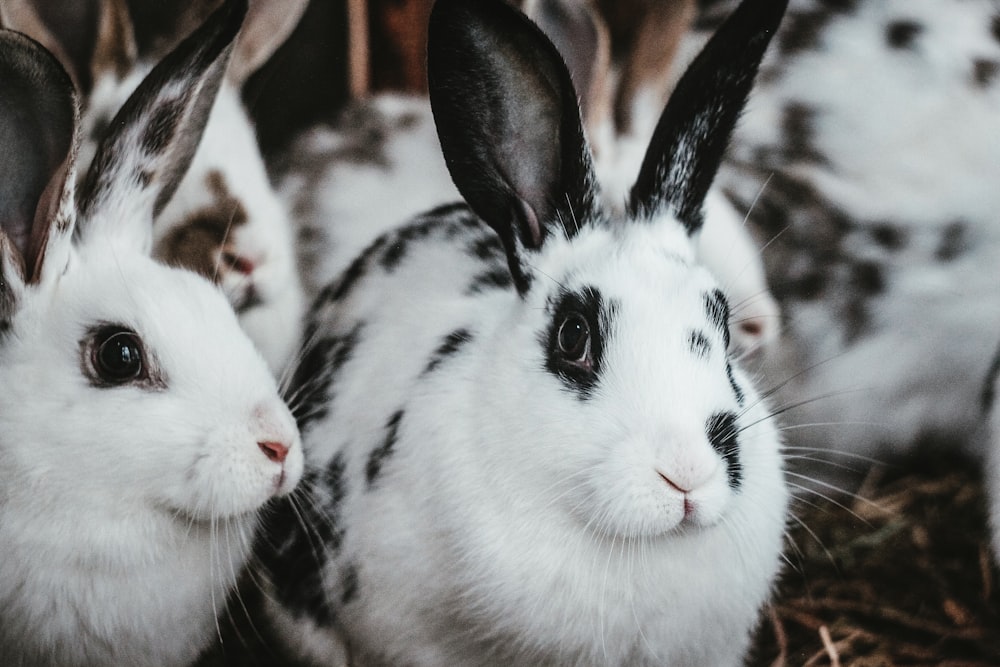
(902, 575)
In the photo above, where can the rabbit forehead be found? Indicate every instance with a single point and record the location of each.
(626, 262)
(185, 322)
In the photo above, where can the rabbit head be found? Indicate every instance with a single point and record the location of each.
(621, 58)
(224, 220)
(609, 287)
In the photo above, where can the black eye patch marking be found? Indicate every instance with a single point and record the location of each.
(452, 343)
(311, 388)
(382, 452)
(574, 342)
(722, 434)
(699, 344)
(717, 311)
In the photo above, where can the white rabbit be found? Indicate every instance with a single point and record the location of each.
(870, 148)
(528, 443)
(381, 163)
(141, 431)
(225, 220)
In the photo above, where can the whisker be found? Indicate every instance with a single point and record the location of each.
(829, 498)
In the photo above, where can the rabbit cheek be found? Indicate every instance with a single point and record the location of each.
(240, 469)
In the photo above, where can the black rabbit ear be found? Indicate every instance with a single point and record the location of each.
(698, 121)
(22, 16)
(509, 124)
(155, 134)
(38, 142)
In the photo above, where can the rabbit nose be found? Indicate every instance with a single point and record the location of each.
(275, 451)
(239, 263)
(674, 484)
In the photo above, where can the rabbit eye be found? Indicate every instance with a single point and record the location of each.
(574, 338)
(118, 356)
(574, 341)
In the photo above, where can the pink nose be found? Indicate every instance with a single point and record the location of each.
(674, 484)
(275, 451)
(239, 264)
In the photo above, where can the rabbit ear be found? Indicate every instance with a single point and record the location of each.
(509, 125)
(694, 129)
(268, 25)
(38, 143)
(155, 134)
(647, 36)
(21, 15)
(580, 34)
(115, 48)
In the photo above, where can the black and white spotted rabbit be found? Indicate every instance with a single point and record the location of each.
(528, 441)
(868, 159)
(140, 430)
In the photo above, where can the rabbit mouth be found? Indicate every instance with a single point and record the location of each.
(250, 298)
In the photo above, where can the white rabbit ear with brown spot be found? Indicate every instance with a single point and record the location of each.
(268, 24)
(154, 136)
(38, 123)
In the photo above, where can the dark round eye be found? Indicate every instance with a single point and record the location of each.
(118, 356)
(574, 337)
